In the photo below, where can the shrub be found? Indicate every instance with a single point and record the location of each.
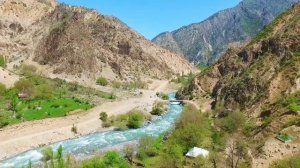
(2, 61)
(163, 96)
(44, 91)
(103, 116)
(74, 129)
(135, 120)
(158, 109)
(112, 96)
(28, 70)
(24, 86)
(102, 81)
(110, 159)
(146, 147)
(2, 89)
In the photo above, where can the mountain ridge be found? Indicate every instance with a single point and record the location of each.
(203, 42)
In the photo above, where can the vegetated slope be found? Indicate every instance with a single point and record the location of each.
(206, 41)
(74, 41)
(261, 79)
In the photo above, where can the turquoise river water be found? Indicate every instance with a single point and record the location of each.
(87, 145)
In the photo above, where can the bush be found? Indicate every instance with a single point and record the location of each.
(28, 70)
(2, 61)
(103, 116)
(2, 89)
(163, 96)
(158, 109)
(135, 120)
(24, 86)
(102, 81)
(44, 91)
(110, 159)
(146, 147)
(74, 129)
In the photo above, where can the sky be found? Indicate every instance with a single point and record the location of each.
(152, 17)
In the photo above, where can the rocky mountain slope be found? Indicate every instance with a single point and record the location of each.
(261, 79)
(206, 41)
(75, 42)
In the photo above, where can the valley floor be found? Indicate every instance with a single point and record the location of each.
(22, 137)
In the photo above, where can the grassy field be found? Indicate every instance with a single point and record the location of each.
(45, 98)
(36, 110)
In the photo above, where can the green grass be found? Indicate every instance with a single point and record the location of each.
(36, 110)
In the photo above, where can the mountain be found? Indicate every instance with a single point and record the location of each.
(78, 43)
(206, 41)
(262, 80)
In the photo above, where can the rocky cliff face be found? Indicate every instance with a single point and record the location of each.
(205, 42)
(65, 41)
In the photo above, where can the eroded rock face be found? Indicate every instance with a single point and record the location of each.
(66, 40)
(205, 42)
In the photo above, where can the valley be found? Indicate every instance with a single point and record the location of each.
(81, 89)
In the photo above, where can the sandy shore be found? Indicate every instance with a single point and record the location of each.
(28, 135)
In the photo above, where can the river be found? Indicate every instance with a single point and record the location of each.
(89, 144)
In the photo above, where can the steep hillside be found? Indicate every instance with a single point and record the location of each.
(74, 42)
(206, 41)
(261, 79)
